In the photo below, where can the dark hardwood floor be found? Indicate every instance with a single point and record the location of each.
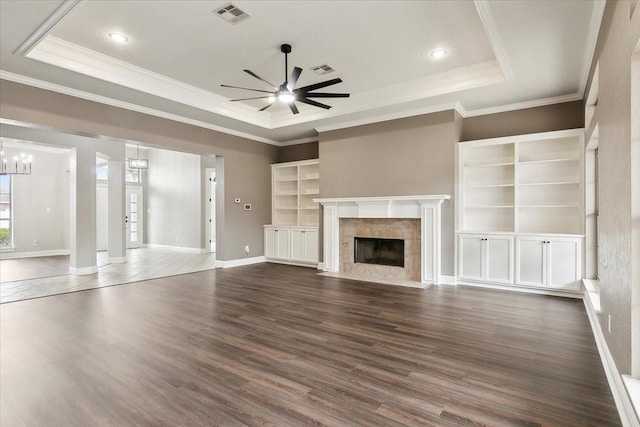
(279, 345)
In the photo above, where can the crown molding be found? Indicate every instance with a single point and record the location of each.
(17, 78)
(47, 26)
(299, 141)
(70, 56)
(486, 17)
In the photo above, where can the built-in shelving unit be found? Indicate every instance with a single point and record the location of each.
(292, 236)
(294, 186)
(527, 189)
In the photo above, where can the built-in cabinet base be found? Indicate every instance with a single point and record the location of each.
(550, 262)
(291, 245)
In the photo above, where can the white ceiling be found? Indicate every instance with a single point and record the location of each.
(501, 55)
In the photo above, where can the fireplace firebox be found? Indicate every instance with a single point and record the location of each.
(371, 250)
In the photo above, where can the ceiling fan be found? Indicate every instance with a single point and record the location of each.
(287, 93)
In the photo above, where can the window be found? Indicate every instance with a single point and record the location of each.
(5, 210)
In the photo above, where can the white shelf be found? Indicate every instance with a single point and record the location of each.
(293, 185)
(525, 183)
(549, 183)
(489, 165)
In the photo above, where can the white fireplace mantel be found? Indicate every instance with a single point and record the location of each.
(427, 208)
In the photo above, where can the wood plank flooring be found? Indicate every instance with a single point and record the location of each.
(271, 344)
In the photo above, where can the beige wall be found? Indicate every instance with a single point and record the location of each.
(411, 156)
(294, 153)
(619, 249)
(246, 163)
(568, 115)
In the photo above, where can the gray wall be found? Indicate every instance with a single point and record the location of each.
(41, 203)
(294, 153)
(410, 156)
(619, 160)
(173, 199)
(568, 115)
(246, 163)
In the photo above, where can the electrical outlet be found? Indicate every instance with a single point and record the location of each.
(177, 239)
(246, 249)
(35, 243)
(609, 323)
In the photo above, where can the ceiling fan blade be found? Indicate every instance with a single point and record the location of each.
(266, 106)
(326, 95)
(291, 83)
(294, 109)
(314, 103)
(252, 74)
(247, 99)
(318, 85)
(247, 88)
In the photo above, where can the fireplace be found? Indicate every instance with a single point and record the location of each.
(384, 217)
(370, 250)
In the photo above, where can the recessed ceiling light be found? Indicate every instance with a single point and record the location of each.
(118, 38)
(438, 53)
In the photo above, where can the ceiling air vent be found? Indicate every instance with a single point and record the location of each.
(231, 13)
(323, 69)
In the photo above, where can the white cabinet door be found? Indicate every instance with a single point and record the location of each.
(297, 244)
(284, 250)
(304, 245)
(550, 262)
(470, 250)
(270, 243)
(499, 259)
(276, 243)
(563, 258)
(530, 262)
(311, 245)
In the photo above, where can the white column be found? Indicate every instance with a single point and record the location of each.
(117, 248)
(82, 212)
(331, 237)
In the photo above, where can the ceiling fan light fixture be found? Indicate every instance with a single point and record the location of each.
(286, 97)
(438, 53)
(118, 38)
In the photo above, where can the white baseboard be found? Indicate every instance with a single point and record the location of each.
(15, 255)
(299, 264)
(447, 280)
(177, 248)
(117, 260)
(616, 384)
(83, 271)
(239, 262)
(555, 293)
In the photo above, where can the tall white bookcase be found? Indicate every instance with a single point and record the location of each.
(292, 236)
(520, 210)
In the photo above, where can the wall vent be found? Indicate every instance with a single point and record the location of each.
(231, 13)
(322, 69)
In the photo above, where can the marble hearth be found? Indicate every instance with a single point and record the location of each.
(417, 219)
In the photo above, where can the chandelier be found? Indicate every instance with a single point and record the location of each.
(18, 165)
(138, 163)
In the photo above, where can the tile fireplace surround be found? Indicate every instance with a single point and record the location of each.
(426, 208)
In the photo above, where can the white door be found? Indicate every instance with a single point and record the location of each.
(270, 243)
(134, 215)
(297, 245)
(499, 259)
(284, 249)
(530, 262)
(311, 246)
(102, 216)
(211, 203)
(564, 268)
(470, 250)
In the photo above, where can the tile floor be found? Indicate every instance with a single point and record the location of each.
(142, 264)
